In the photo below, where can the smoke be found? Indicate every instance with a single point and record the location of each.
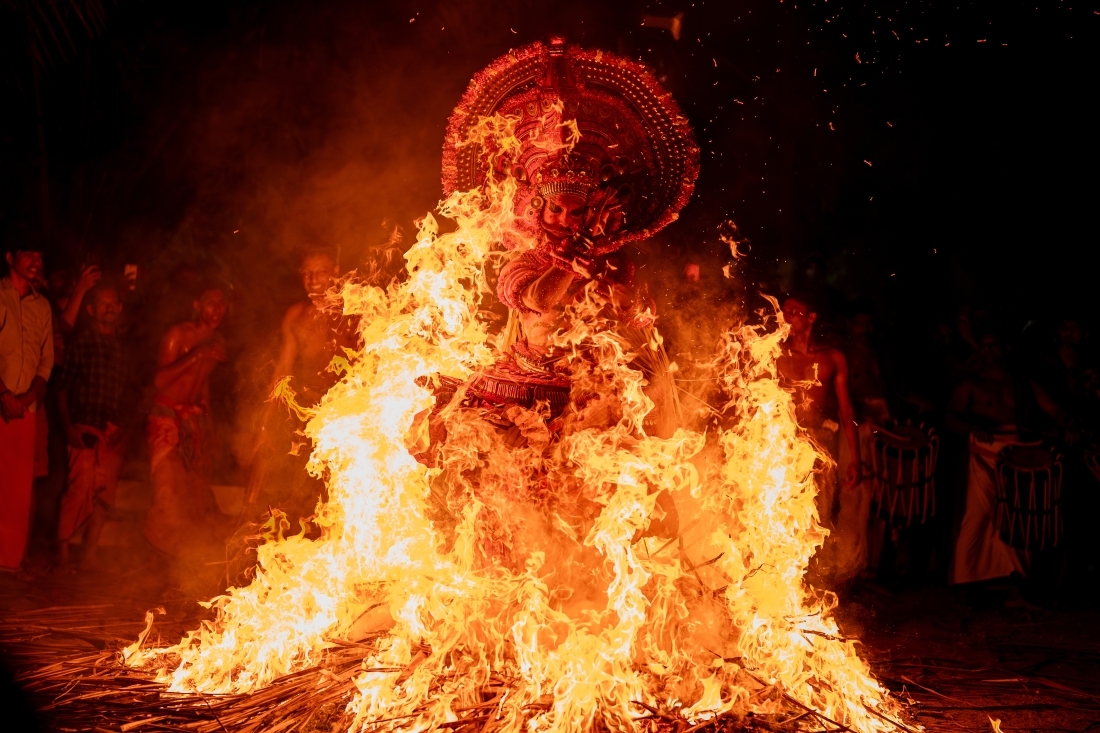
(294, 127)
(305, 127)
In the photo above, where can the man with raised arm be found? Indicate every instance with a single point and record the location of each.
(91, 403)
(184, 510)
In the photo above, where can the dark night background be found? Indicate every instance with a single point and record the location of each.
(174, 124)
(930, 154)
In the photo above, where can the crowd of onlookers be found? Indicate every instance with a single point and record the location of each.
(80, 397)
(77, 403)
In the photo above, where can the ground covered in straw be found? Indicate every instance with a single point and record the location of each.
(955, 660)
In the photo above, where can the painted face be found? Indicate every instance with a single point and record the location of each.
(562, 215)
(799, 315)
(317, 272)
(211, 307)
(28, 265)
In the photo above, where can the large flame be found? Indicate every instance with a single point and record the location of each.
(557, 615)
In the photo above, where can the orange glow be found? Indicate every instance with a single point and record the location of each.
(550, 616)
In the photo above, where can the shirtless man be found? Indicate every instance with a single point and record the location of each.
(824, 411)
(184, 511)
(987, 407)
(827, 407)
(310, 338)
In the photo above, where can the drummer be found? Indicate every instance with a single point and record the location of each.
(991, 407)
(825, 411)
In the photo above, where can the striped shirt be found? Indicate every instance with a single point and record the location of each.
(95, 374)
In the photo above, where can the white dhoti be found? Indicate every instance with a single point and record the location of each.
(980, 553)
(851, 549)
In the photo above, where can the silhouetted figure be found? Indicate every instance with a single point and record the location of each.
(992, 407)
(825, 411)
(92, 386)
(311, 337)
(26, 360)
(860, 535)
(184, 511)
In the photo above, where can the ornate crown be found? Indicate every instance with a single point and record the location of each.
(580, 187)
(631, 133)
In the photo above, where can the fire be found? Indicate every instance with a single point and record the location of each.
(540, 614)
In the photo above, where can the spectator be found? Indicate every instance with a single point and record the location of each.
(185, 514)
(858, 534)
(992, 407)
(311, 336)
(92, 386)
(26, 359)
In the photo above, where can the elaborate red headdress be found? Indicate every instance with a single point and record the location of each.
(633, 137)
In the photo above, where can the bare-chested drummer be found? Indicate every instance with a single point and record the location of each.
(311, 337)
(825, 411)
(184, 514)
(827, 408)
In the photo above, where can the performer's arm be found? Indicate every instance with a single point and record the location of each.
(548, 290)
(284, 365)
(847, 419)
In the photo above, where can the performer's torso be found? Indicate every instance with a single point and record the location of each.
(817, 365)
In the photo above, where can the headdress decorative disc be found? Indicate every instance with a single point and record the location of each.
(632, 134)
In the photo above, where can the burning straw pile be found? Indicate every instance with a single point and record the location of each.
(539, 593)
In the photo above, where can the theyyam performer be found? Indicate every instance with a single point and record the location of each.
(604, 157)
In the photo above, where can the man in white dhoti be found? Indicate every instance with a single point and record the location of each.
(989, 407)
